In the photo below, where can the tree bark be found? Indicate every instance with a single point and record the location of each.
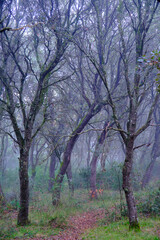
(88, 140)
(154, 155)
(3, 152)
(2, 197)
(24, 188)
(93, 164)
(127, 186)
(147, 176)
(33, 167)
(69, 178)
(52, 171)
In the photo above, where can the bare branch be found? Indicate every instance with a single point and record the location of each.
(20, 28)
(140, 130)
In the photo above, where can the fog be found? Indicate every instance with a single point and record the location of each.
(79, 98)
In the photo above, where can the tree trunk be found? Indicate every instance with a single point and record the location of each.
(52, 171)
(93, 164)
(24, 188)
(147, 176)
(127, 186)
(63, 169)
(4, 147)
(69, 178)
(31, 161)
(88, 140)
(68, 150)
(154, 155)
(2, 198)
(33, 175)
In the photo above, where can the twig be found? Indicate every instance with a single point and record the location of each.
(145, 144)
(20, 28)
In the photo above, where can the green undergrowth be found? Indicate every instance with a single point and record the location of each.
(47, 221)
(119, 231)
(39, 227)
(27, 232)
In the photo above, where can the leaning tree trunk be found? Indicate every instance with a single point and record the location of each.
(68, 150)
(127, 186)
(24, 187)
(59, 178)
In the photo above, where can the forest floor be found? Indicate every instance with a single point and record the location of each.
(77, 218)
(74, 227)
(79, 224)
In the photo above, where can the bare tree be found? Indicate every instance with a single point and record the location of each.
(33, 69)
(134, 84)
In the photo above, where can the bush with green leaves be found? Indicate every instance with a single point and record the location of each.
(41, 180)
(81, 179)
(150, 205)
(111, 178)
(10, 181)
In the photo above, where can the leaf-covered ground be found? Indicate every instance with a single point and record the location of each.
(79, 224)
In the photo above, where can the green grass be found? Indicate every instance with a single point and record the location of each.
(47, 220)
(38, 228)
(119, 231)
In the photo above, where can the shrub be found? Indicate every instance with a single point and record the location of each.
(150, 204)
(81, 179)
(12, 199)
(111, 178)
(41, 180)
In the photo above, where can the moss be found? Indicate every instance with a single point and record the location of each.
(134, 226)
(25, 222)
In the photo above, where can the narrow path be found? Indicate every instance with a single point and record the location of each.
(79, 224)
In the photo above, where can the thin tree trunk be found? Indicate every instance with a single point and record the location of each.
(31, 160)
(52, 171)
(147, 176)
(69, 178)
(33, 175)
(46, 166)
(24, 188)
(89, 151)
(154, 155)
(4, 147)
(2, 198)
(93, 164)
(127, 186)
